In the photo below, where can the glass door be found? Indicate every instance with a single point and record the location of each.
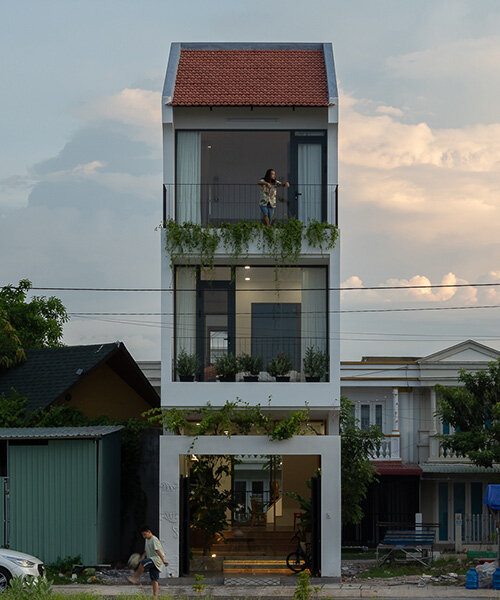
(215, 324)
(308, 162)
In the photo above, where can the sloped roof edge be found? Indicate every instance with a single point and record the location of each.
(177, 47)
(42, 433)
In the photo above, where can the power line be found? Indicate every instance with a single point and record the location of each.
(347, 311)
(275, 289)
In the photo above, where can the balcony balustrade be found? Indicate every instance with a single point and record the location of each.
(389, 449)
(438, 452)
(216, 203)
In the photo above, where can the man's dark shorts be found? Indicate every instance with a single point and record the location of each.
(149, 566)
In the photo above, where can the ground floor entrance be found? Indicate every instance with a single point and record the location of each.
(262, 491)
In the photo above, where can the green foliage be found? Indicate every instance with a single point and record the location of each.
(11, 351)
(13, 410)
(226, 365)
(186, 364)
(28, 589)
(250, 364)
(473, 410)
(356, 470)
(64, 564)
(38, 323)
(58, 416)
(233, 418)
(303, 589)
(315, 362)
(280, 365)
(283, 241)
(304, 518)
(199, 586)
(209, 501)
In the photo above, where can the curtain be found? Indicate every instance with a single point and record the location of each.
(313, 317)
(309, 182)
(185, 310)
(188, 177)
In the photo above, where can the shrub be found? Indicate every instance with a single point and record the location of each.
(226, 365)
(280, 365)
(186, 364)
(315, 362)
(250, 364)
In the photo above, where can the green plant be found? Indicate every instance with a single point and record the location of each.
(283, 241)
(199, 586)
(315, 362)
(280, 365)
(303, 589)
(29, 589)
(226, 365)
(64, 565)
(186, 364)
(250, 364)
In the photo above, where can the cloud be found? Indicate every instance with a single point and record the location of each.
(462, 59)
(460, 295)
(389, 110)
(138, 109)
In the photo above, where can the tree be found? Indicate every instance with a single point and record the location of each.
(13, 410)
(357, 446)
(11, 350)
(473, 411)
(38, 322)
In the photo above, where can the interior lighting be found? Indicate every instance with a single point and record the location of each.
(247, 278)
(209, 146)
(214, 555)
(247, 266)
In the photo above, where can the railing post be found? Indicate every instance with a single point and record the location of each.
(458, 532)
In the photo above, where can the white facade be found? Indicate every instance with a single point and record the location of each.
(322, 398)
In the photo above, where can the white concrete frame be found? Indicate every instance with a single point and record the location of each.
(327, 447)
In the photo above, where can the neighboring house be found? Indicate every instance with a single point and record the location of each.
(64, 492)
(416, 474)
(99, 379)
(231, 112)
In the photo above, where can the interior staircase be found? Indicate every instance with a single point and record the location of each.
(255, 542)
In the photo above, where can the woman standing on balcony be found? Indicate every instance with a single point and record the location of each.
(268, 185)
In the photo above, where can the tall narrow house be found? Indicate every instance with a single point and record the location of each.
(250, 271)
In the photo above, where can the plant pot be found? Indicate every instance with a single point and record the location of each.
(231, 378)
(251, 377)
(282, 378)
(186, 377)
(312, 379)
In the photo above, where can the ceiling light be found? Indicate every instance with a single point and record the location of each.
(247, 266)
(247, 278)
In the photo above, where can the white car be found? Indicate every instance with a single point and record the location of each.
(14, 564)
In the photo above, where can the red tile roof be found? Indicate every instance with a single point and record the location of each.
(396, 468)
(251, 78)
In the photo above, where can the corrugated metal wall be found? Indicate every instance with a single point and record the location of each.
(108, 514)
(54, 499)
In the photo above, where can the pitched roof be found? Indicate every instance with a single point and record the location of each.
(48, 373)
(59, 433)
(250, 75)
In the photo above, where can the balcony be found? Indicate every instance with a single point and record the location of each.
(389, 448)
(216, 203)
(438, 453)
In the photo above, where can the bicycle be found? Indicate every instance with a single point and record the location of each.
(301, 558)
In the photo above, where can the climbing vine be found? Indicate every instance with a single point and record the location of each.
(283, 242)
(233, 418)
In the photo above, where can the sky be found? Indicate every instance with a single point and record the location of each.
(419, 170)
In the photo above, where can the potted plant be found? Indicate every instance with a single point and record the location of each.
(187, 365)
(315, 364)
(280, 366)
(226, 367)
(251, 365)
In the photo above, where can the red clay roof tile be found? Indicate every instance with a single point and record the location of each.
(251, 78)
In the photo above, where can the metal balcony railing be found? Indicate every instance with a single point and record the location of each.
(216, 203)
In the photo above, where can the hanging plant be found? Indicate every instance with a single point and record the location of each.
(283, 242)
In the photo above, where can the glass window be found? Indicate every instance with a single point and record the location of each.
(378, 416)
(365, 416)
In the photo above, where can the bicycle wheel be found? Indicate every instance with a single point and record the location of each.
(296, 562)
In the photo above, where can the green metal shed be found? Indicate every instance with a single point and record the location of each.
(64, 492)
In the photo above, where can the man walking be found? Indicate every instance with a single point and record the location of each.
(152, 559)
